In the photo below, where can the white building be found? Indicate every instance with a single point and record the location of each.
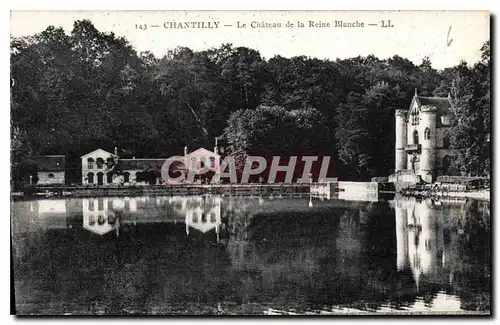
(97, 167)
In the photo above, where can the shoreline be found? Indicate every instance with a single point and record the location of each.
(484, 195)
(232, 189)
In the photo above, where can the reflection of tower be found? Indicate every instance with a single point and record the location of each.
(97, 217)
(421, 245)
(401, 235)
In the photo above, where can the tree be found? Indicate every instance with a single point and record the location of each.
(470, 133)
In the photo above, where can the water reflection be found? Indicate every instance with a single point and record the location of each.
(98, 217)
(420, 239)
(102, 215)
(258, 254)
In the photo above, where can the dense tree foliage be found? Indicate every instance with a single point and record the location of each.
(74, 93)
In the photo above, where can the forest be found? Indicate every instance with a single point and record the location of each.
(73, 93)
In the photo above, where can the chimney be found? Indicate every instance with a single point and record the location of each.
(116, 151)
(216, 149)
(185, 151)
(133, 157)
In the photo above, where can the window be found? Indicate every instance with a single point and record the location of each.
(202, 163)
(100, 204)
(90, 163)
(428, 245)
(91, 205)
(446, 164)
(414, 118)
(203, 218)
(212, 162)
(99, 162)
(90, 178)
(446, 141)
(109, 177)
(100, 177)
(427, 134)
(51, 175)
(91, 220)
(126, 177)
(415, 137)
(110, 162)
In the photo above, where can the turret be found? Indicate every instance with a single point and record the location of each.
(428, 129)
(400, 140)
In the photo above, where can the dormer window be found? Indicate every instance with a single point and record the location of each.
(414, 118)
(445, 120)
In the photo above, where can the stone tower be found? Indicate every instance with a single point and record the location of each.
(400, 140)
(428, 130)
(422, 151)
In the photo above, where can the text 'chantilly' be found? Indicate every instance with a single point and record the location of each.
(191, 24)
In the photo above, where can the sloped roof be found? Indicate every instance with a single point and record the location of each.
(203, 152)
(442, 104)
(104, 152)
(140, 164)
(52, 163)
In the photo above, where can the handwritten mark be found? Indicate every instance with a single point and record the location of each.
(448, 39)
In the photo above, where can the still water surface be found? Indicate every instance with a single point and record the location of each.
(250, 255)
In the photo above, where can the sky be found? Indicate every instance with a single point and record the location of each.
(446, 37)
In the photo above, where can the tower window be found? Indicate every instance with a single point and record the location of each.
(427, 134)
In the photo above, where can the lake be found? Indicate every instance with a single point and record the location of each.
(216, 255)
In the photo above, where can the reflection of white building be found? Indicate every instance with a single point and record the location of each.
(420, 241)
(98, 217)
(203, 213)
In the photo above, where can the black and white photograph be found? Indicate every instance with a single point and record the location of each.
(243, 163)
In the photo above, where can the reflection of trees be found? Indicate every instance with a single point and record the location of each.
(472, 276)
(309, 260)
